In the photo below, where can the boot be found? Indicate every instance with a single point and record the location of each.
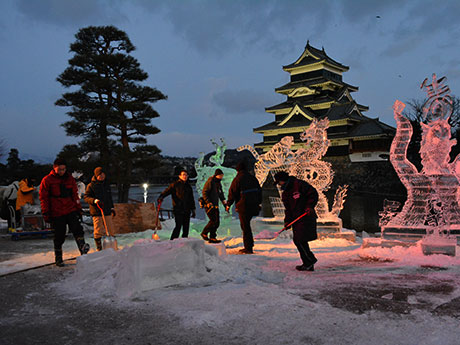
(82, 246)
(98, 242)
(309, 267)
(246, 251)
(58, 257)
(204, 236)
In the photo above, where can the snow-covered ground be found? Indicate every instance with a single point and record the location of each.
(355, 296)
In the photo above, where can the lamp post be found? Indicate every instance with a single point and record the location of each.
(145, 185)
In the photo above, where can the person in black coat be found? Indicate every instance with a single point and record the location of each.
(98, 193)
(298, 198)
(245, 191)
(212, 192)
(183, 203)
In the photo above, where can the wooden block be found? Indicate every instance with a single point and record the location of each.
(134, 217)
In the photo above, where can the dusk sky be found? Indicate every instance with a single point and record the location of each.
(220, 61)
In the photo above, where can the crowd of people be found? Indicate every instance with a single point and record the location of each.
(299, 199)
(61, 208)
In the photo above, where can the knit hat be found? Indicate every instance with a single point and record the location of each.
(218, 172)
(281, 176)
(98, 171)
(59, 161)
(241, 166)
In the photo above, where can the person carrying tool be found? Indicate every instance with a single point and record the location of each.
(183, 203)
(98, 193)
(245, 191)
(212, 192)
(61, 207)
(300, 198)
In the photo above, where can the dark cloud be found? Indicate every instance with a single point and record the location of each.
(436, 16)
(424, 20)
(71, 13)
(402, 46)
(209, 26)
(217, 26)
(242, 101)
(362, 11)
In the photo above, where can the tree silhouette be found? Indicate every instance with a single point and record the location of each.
(110, 109)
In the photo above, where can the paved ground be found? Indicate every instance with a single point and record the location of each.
(33, 312)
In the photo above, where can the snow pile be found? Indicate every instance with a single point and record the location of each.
(260, 297)
(410, 256)
(144, 266)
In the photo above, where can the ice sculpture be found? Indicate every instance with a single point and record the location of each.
(205, 171)
(305, 164)
(280, 154)
(309, 167)
(432, 207)
(218, 157)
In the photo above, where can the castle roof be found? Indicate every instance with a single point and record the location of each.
(313, 55)
(372, 127)
(348, 110)
(325, 96)
(315, 81)
(302, 102)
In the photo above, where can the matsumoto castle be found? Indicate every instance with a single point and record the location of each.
(316, 90)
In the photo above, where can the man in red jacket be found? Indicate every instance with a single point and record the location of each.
(61, 207)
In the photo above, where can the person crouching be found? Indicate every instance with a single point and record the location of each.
(98, 194)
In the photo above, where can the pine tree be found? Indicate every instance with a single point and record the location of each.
(110, 109)
(13, 160)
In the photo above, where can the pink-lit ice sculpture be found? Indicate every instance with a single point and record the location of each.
(305, 164)
(309, 167)
(279, 155)
(432, 206)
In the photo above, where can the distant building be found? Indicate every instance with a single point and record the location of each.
(316, 90)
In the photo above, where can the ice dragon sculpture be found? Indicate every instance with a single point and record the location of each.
(205, 171)
(305, 164)
(280, 154)
(309, 167)
(432, 205)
